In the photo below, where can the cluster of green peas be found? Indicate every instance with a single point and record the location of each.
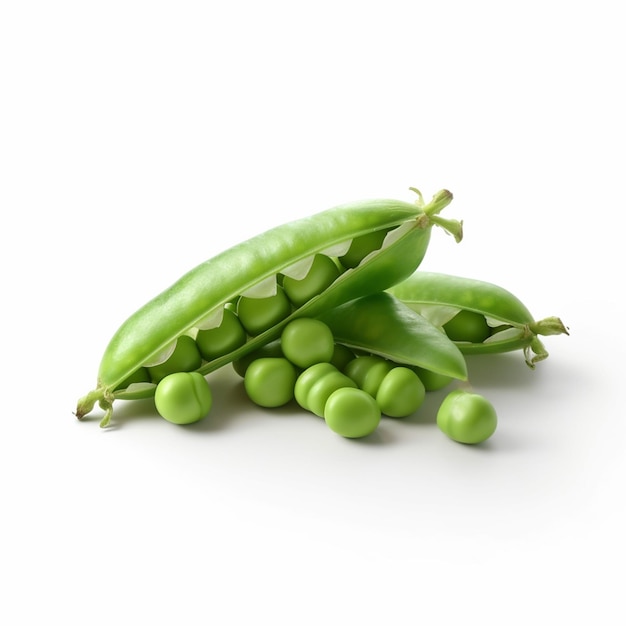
(328, 379)
(350, 390)
(353, 391)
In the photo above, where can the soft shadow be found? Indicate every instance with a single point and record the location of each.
(501, 370)
(380, 437)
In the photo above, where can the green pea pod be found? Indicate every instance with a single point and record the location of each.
(439, 297)
(199, 297)
(381, 324)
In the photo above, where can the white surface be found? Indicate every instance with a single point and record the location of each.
(139, 139)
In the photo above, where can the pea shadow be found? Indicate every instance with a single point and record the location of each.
(231, 404)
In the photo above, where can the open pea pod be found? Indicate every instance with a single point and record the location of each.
(253, 269)
(508, 323)
(381, 324)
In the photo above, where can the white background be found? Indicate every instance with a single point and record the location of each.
(139, 138)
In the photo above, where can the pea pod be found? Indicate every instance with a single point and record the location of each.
(440, 297)
(197, 299)
(381, 324)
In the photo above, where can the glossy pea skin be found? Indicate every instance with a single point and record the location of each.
(400, 393)
(228, 336)
(352, 413)
(361, 247)
(307, 379)
(322, 389)
(185, 358)
(359, 367)
(467, 417)
(259, 314)
(183, 397)
(306, 341)
(270, 381)
(374, 377)
(322, 273)
(467, 326)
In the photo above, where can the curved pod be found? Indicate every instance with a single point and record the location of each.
(203, 292)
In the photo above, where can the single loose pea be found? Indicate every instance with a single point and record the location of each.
(228, 336)
(361, 247)
(322, 273)
(352, 412)
(400, 393)
(307, 379)
(467, 326)
(270, 381)
(185, 358)
(183, 397)
(321, 390)
(307, 341)
(259, 314)
(432, 380)
(467, 417)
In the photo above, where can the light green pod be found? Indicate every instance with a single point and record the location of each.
(440, 297)
(197, 299)
(382, 325)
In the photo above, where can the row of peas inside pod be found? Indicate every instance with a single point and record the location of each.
(254, 312)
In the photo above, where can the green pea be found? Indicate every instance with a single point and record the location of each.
(307, 341)
(183, 397)
(432, 381)
(358, 368)
(228, 336)
(467, 326)
(307, 379)
(352, 413)
(269, 382)
(400, 392)
(259, 314)
(361, 247)
(467, 417)
(272, 349)
(321, 390)
(342, 355)
(375, 376)
(323, 272)
(185, 358)
(142, 375)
